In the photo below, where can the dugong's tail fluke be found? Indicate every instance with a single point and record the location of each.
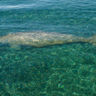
(92, 40)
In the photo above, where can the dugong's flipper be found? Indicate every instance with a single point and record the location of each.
(15, 46)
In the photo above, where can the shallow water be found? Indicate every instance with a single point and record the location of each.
(65, 70)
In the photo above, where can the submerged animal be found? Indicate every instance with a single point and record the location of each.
(41, 39)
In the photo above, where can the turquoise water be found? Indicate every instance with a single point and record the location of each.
(59, 70)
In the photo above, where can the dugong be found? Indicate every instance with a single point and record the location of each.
(41, 39)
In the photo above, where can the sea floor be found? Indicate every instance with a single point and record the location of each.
(65, 70)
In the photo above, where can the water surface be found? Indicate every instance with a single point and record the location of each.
(65, 70)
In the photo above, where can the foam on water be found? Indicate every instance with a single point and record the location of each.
(19, 6)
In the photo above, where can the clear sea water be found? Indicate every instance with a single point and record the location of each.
(59, 70)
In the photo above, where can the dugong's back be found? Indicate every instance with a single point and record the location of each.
(39, 39)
